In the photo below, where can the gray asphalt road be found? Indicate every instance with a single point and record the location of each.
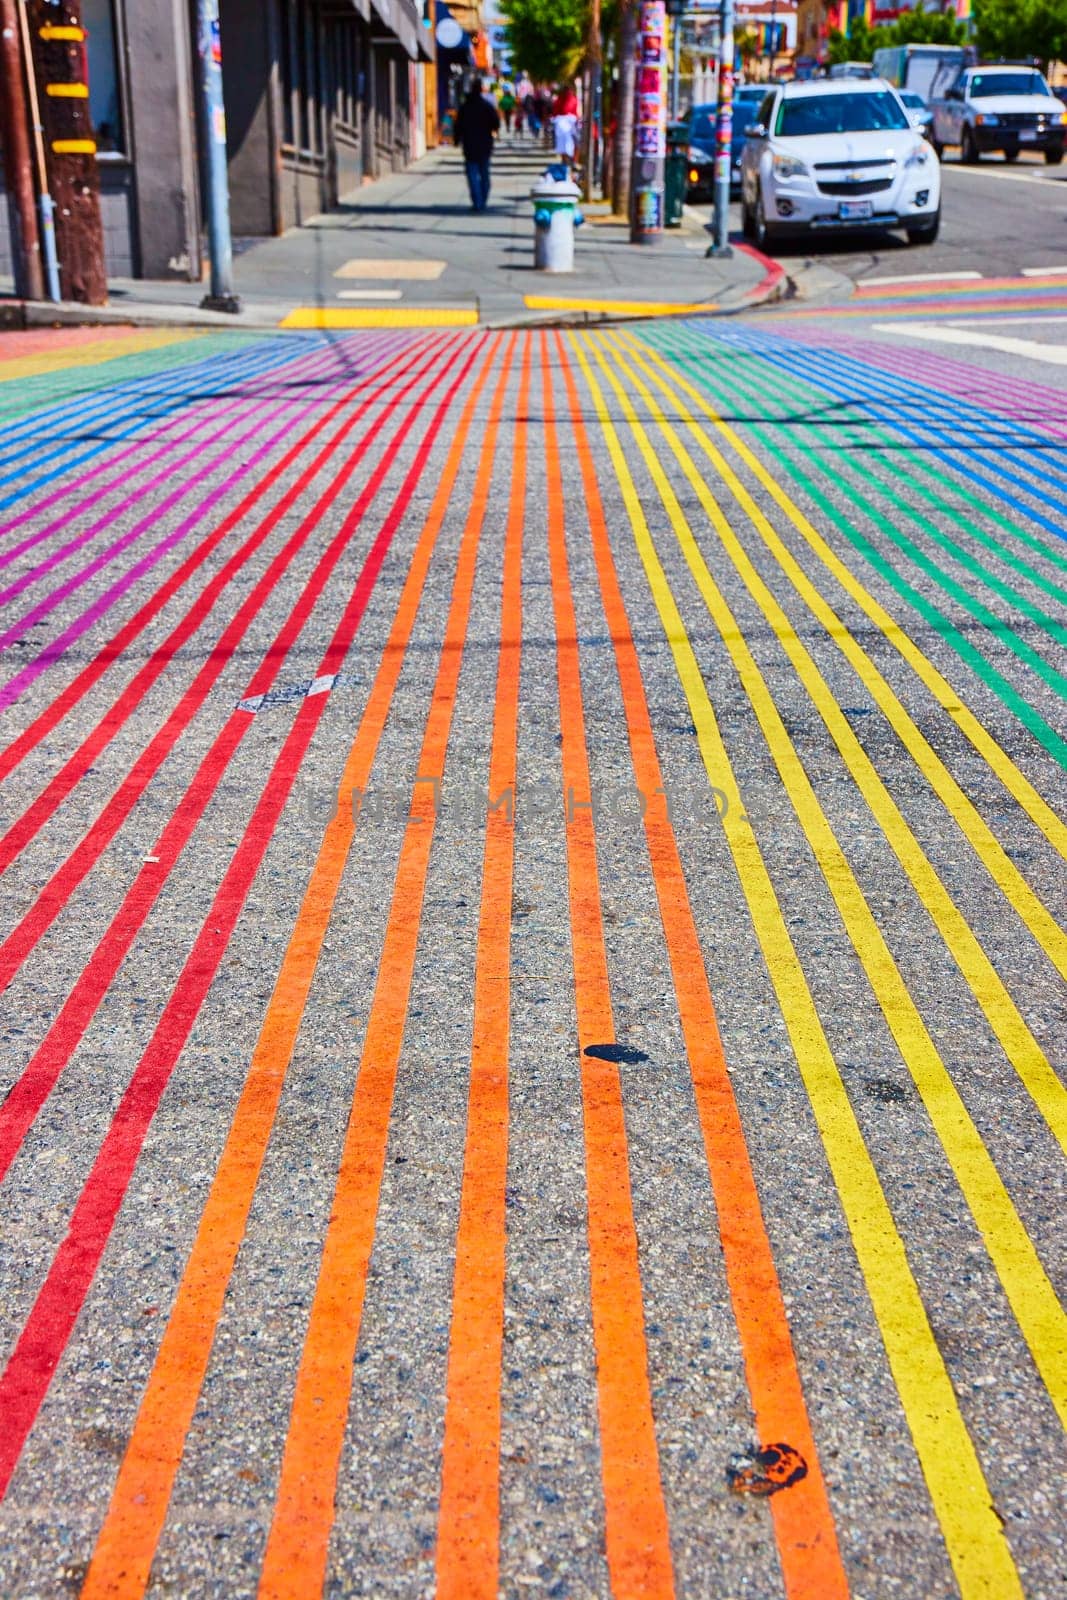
(533, 958)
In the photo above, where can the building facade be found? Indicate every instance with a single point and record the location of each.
(321, 96)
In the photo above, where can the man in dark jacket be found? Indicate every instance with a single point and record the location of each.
(477, 124)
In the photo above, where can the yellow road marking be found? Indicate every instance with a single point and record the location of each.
(401, 317)
(623, 308)
(1038, 1312)
(973, 1533)
(985, 983)
(1018, 786)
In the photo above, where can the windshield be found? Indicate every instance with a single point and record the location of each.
(839, 113)
(984, 85)
(915, 101)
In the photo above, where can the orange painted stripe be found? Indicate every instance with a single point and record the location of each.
(294, 1564)
(128, 1538)
(468, 1524)
(804, 1526)
(637, 1534)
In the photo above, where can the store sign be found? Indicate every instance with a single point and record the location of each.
(449, 34)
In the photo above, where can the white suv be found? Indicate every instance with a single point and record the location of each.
(837, 154)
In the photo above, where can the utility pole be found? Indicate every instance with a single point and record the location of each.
(18, 162)
(57, 66)
(594, 63)
(650, 125)
(213, 122)
(724, 127)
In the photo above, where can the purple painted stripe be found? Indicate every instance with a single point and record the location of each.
(57, 647)
(308, 368)
(1037, 405)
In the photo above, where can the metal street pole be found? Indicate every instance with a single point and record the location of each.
(675, 12)
(44, 195)
(724, 124)
(213, 121)
(18, 161)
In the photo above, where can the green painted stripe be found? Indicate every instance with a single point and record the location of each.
(726, 388)
(50, 389)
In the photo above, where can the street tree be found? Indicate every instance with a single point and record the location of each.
(1022, 28)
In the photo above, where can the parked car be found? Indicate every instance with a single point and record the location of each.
(831, 155)
(919, 113)
(699, 141)
(1006, 108)
(850, 69)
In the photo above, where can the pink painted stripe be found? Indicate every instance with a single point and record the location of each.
(203, 418)
(73, 485)
(57, 647)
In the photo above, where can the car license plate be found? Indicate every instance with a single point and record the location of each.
(855, 210)
(1027, 136)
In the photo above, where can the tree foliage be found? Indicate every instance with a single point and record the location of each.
(546, 37)
(1022, 28)
(911, 27)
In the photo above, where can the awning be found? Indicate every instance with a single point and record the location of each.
(404, 20)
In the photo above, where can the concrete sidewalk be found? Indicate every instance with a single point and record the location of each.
(409, 250)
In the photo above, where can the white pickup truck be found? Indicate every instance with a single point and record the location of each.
(999, 108)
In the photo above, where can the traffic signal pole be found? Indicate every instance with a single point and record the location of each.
(213, 121)
(18, 161)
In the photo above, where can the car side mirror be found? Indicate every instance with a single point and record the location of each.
(755, 130)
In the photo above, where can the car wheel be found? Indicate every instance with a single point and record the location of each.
(763, 234)
(968, 148)
(925, 232)
(1011, 155)
(1054, 157)
(939, 149)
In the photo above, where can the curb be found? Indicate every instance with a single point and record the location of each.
(541, 311)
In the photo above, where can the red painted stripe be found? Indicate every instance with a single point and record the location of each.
(68, 698)
(52, 899)
(43, 1339)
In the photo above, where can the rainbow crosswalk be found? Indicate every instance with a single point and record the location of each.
(533, 963)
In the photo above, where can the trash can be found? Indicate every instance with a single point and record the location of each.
(675, 171)
(556, 215)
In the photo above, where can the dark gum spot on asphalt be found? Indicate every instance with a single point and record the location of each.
(621, 1054)
(885, 1090)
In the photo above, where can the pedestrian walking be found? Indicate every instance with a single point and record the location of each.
(507, 106)
(565, 126)
(477, 125)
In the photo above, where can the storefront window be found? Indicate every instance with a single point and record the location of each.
(105, 102)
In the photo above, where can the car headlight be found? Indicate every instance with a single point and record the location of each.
(789, 167)
(918, 158)
(986, 119)
(697, 158)
(1058, 116)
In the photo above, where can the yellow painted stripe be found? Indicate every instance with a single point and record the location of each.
(623, 308)
(1041, 1318)
(90, 355)
(985, 983)
(396, 317)
(67, 91)
(74, 147)
(973, 1533)
(53, 30)
(1017, 785)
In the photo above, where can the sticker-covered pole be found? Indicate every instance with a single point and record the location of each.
(650, 124)
(213, 122)
(724, 127)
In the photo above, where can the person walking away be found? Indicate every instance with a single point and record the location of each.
(477, 125)
(507, 106)
(565, 126)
